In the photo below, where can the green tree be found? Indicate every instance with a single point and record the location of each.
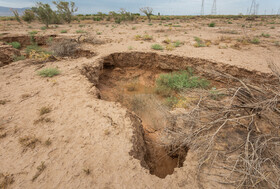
(28, 16)
(44, 13)
(148, 11)
(16, 15)
(65, 10)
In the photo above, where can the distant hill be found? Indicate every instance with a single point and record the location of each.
(5, 11)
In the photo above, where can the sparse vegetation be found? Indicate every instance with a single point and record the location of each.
(28, 142)
(181, 80)
(65, 10)
(15, 12)
(6, 180)
(48, 142)
(44, 13)
(81, 31)
(49, 72)
(3, 102)
(87, 171)
(199, 42)
(28, 16)
(266, 35)
(40, 170)
(42, 120)
(63, 31)
(157, 47)
(212, 24)
(148, 11)
(65, 48)
(15, 45)
(33, 48)
(255, 41)
(44, 110)
(18, 58)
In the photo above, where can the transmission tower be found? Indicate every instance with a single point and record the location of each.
(202, 8)
(278, 11)
(257, 9)
(214, 8)
(253, 7)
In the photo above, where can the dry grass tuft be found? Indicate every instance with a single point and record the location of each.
(29, 141)
(42, 120)
(66, 47)
(44, 110)
(48, 142)
(40, 170)
(6, 180)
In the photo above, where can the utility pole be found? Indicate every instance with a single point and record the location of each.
(202, 8)
(253, 8)
(214, 8)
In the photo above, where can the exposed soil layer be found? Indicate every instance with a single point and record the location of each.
(133, 88)
(129, 78)
(25, 40)
(7, 54)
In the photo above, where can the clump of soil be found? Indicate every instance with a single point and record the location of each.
(7, 54)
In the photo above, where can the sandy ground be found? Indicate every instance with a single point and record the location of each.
(91, 138)
(122, 38)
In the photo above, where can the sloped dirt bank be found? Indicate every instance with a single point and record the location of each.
(163, 136)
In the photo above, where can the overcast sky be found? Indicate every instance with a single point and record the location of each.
(167, 7)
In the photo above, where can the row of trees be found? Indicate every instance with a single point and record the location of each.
(65, 13)
(44, 13)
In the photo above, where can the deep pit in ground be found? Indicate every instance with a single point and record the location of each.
(134, 89)
(129, 78)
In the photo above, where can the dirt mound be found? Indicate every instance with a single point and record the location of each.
(7, 54)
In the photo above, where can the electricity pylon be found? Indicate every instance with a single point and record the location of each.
(202, 8)
(253, 7)
(214, 8)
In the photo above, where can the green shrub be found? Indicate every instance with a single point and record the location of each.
(212, 24)
(43, 28)
(199, 42)
(18, 58)
(157, 47)
(15, 45)
(255, 41)
(177, 44)
(265, 35)
(28, 16)
(163, 91)
(181, 80)
(63, 31)
(33, 33)
(33, 47)
(81, 31)
(49, 72)
(147, 37)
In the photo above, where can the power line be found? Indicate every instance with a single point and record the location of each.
(202, 8)
(214, 8)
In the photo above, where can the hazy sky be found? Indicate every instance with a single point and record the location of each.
(167, 7)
